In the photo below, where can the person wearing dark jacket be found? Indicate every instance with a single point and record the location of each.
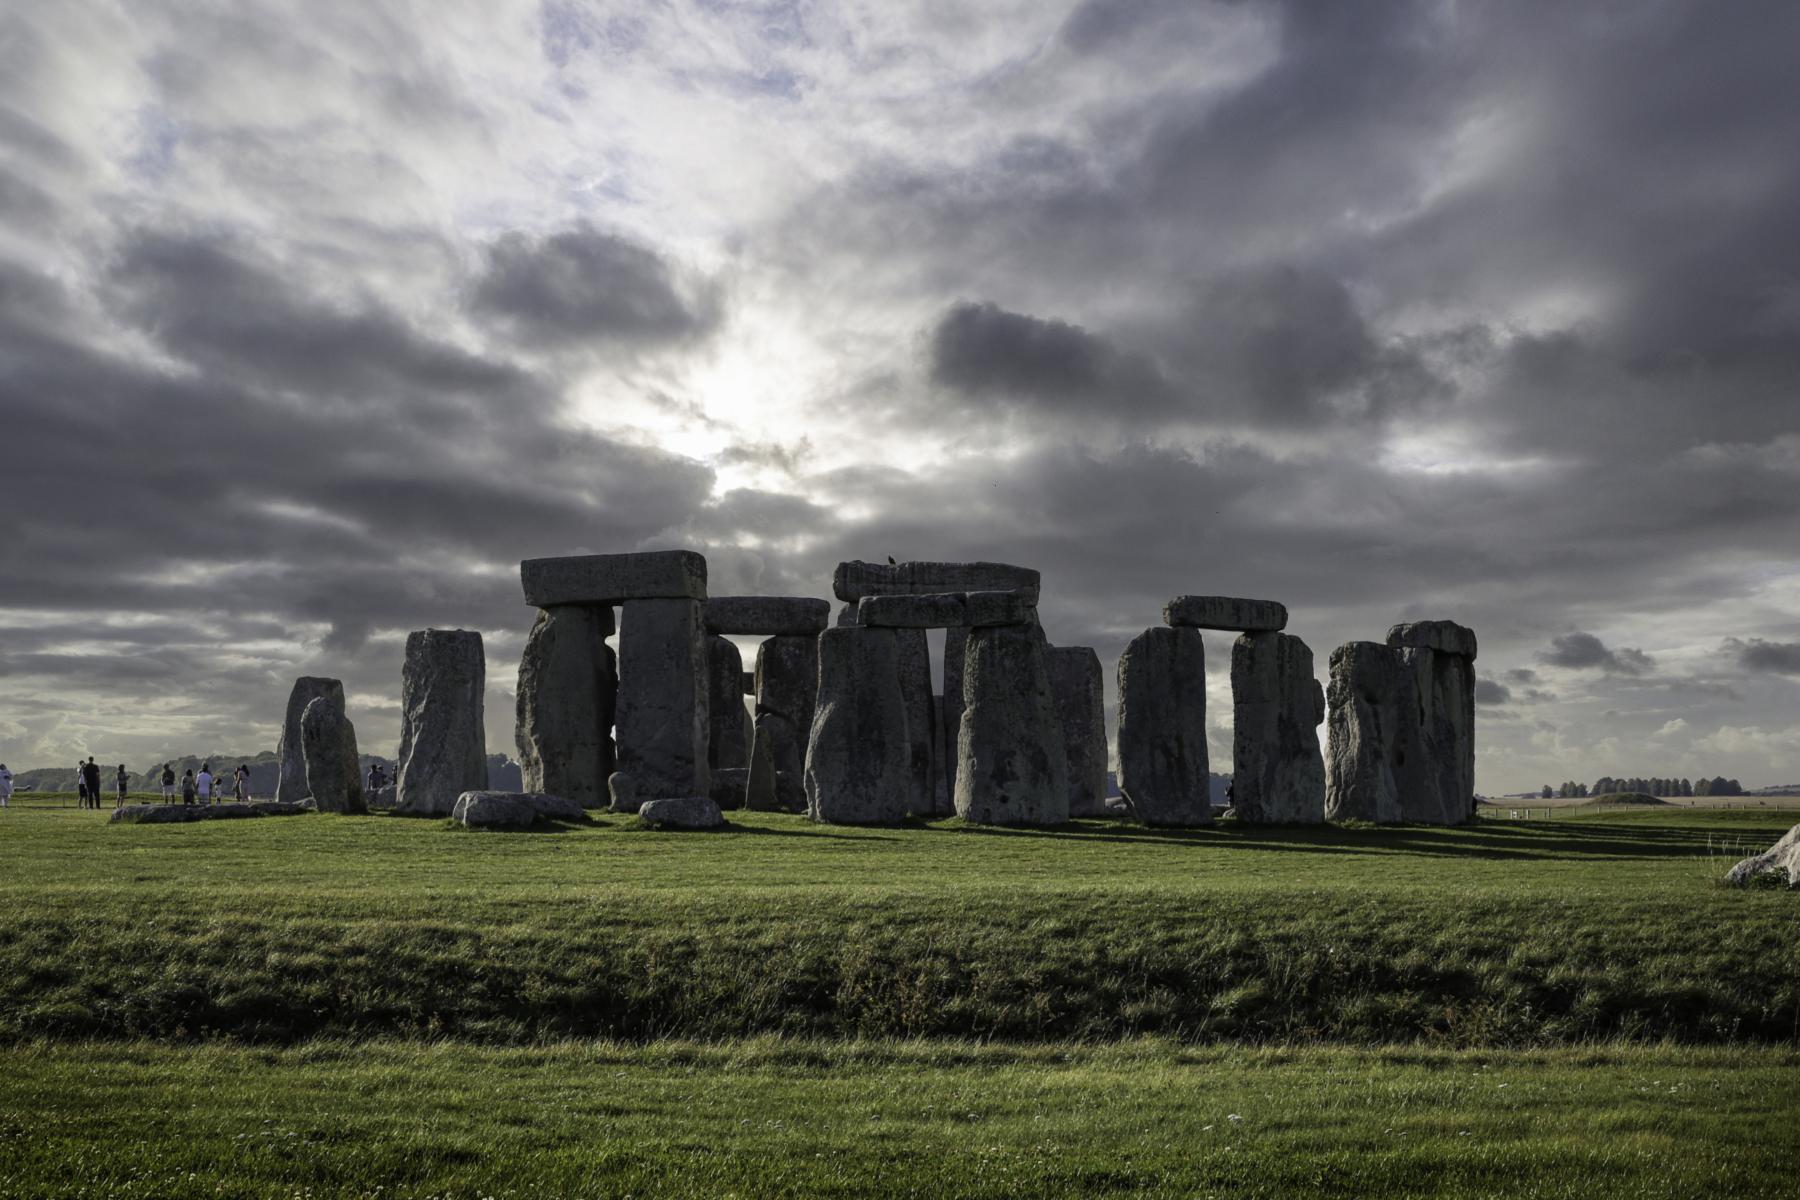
(90, 776)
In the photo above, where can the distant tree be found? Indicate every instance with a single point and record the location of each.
(1603, 785)
(1581, 790)
(1549, 793)
(1687, 787)
(1733, 788)
(1721, 786)
(1703, 787)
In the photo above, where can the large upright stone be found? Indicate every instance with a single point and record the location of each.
(1277, 774)
(943, 796)
(1445, 684)
(1402, 744)
(612, 579)
(956, 643)
(443, 745)
(290, 784)
(1445, 637)
(729, 723)
(1079, 687)
(858, 756)
(1225, 612)
(1162, 728)
(1011, 767)
(767, 616)
(854, 580)
(328, 745)
(787, 685)
(761, 788)
(914, 656)
(663, 716)
(568, 682)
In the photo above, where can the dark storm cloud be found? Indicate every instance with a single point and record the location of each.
(1491, 692)
(1584, 651)
(583, 285)
(1755, 654)
(981, 349)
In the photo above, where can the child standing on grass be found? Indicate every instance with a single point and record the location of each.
(187, 786)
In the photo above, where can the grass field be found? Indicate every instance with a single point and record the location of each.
(782, 1008)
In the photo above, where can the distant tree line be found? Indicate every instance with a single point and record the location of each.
(1718, 785)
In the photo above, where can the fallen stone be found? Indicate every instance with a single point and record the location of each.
(443, 743)
(767, 616)
(181, 814)
(682, 812)
(1277, 770)
(568, 684)
(854, 580)
(760, 789)
(623, 792)
(290, 784)
(612, 579)
(946, 610)
(1225, 612)
(1782, 861)
(1012, 768)
(728, 724)
(489, 809)
(729, 785)
(1163, 764)
(858, 754)
(1078, 685)
(1445, 637)
(662, 719)
(328, 745)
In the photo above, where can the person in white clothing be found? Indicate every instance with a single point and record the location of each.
(5, 786)
(203, 783)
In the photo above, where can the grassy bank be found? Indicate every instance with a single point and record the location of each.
(1502, 934)
(768, 1118)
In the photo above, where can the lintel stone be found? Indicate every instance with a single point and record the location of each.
(1225, 612)
(947, 610)
(854, 580)
(614, 578)
(1446, 637)
(767, 616)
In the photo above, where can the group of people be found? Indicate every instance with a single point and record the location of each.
(201, 788)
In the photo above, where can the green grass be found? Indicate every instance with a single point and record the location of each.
(1504, 933)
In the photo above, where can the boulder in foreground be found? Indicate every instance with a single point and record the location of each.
(682, 812)
(1781, 860)
(180, 814)
(490, 810)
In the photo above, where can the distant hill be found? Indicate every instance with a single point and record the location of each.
(265, 768)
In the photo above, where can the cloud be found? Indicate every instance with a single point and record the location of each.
(1581, 651)
(1490, 692)
(1756, 654)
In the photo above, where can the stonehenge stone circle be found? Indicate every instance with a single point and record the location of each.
(1163, 762)
(1781, 860)
(1445, 637)
(568, 681)
(612, 579)
(787, 686)
(767, 616)
(662, 716)
(915, 693)
(328, 746)
(945, 610)
(1079, 687)
(682, 812)
(1277, 771)
(728, 786)
(489, 809)
(290, 784)
(729, 722)
(443, 744)
(858, 757)
(854, 580)
(1225, 612)
(622, 791)
(760, 788)
(1012, 768)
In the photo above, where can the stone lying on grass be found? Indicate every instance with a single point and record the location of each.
(682, 812)
(1782, 860)
(177, 814)
(485, 809)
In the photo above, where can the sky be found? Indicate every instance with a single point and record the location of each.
(317, 317)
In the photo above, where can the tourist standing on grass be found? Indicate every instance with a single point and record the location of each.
(187, 786)
(242, 775)
(204, 782)
(81, 783)
(90, 777)
(5, 786)
(168, 784)
(124, 787)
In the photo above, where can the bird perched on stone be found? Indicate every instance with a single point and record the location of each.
(891, 561)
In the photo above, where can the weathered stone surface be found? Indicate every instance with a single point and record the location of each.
(785, 746)
(760, 790)
(1225, 612)
(623, 792)
(443, 744)
(767, 616)
(180, 814)
(1446, 688)
(663, 718)
(854, 580)
(747, 681)
(915, 692)
(490, 809)
(956, 643)
(943, 801)
(728, 786)
(682, 812)
(944, 610)
(1079, 687)
(568, 683)
(1402, 735)
(728, 724)
(858, 756)
(847, 614)
(1782, 860)
(787, 687)
(614, 578)
(1163, 760)
(328, 746)
(1445, 637)
(1011, 768)
(290, 785)
(1278, 773)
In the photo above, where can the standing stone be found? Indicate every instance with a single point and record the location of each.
(1278, 774)
(568, 681)
(1079, 688)
(956, 642)
(1162, 728)
(622, 793)
(728, 725)
(915, 692)
(1442, 654)
(1011, 766)
(290, 785)
(328, 746)
(443, 745)
(787, 687)
(858, 756)
(943, 794)
(1375, 751)
(663, 713)
(760, 790)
